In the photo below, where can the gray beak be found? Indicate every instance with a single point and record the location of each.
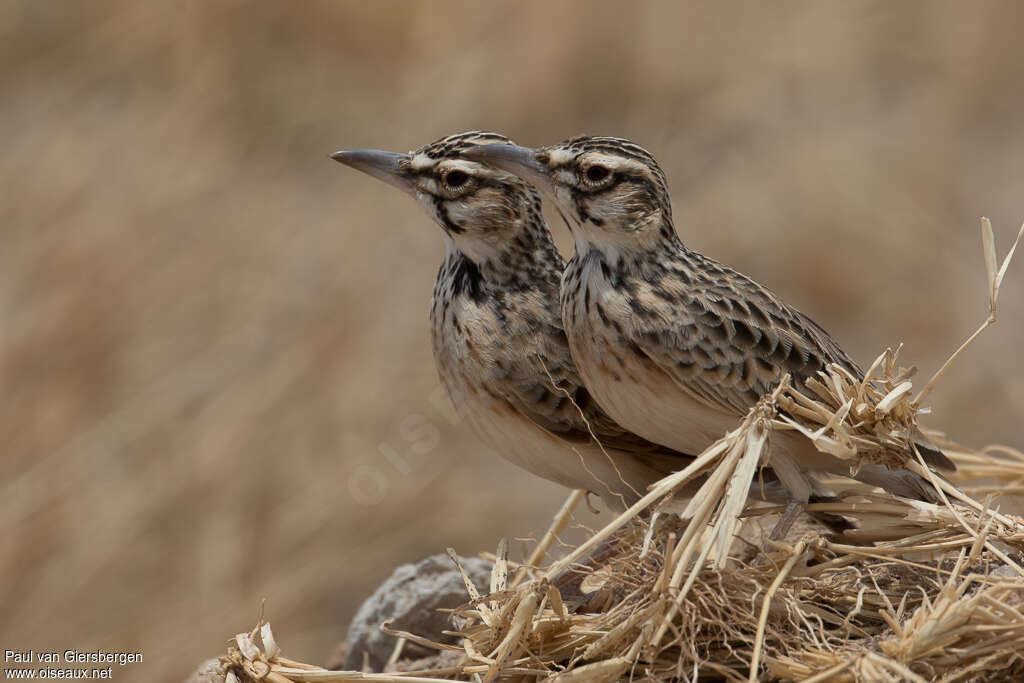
(520, 161)
(381, 165)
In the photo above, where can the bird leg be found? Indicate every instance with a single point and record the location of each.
(570, 582)
(793, 510)
(798, 492)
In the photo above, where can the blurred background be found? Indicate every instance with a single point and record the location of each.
(216, 376)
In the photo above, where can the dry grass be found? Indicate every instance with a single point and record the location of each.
(918, 591)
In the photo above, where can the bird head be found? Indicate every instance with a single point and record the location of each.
(611, 193)
(482, 209)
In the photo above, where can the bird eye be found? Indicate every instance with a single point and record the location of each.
(456, 178)
(597, 173)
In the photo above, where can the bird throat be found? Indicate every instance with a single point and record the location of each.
(528, 260)
(623, 248)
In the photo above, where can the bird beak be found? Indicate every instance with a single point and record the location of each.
(381, 165)
(520, 161)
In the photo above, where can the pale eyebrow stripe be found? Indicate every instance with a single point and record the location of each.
(420, 162)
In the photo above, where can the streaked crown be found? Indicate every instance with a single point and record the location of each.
(615, 147)
(452, 146)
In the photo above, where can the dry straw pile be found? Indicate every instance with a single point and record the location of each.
(915, 592)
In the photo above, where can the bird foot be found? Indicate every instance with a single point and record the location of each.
(794, 509)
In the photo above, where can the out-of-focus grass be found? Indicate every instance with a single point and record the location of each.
(215, 365)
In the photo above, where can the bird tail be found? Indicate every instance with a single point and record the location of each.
(901, 483)
(935, 458)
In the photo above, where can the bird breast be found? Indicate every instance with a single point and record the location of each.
(477, 361)
(624, 381)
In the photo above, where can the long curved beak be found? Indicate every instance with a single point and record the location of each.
(378, 163)
(520, 161)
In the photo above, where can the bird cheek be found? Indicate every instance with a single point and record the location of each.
(479, 217)
(428, 204)
(564, 195)
(461, 213)
(605, 212)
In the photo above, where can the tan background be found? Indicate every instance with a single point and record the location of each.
(216, 377)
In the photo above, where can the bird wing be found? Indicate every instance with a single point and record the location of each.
(726, 340)
(574, 416)
(736, 342)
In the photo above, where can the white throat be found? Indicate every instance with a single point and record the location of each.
(590, 237)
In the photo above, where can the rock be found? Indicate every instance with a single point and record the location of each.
(208, 672)
(1003, 571)
(409, 599)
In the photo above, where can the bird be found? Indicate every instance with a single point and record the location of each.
(496, 328)
(674, 345)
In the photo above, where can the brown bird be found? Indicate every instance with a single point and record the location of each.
(673, 345)
(498, 341)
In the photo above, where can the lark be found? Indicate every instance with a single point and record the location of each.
(674, 345)
(496, 328)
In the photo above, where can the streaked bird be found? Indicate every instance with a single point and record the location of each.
(673, 345)
(497, 332)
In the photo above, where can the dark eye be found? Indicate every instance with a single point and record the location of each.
(456, 178)
(597, 173)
